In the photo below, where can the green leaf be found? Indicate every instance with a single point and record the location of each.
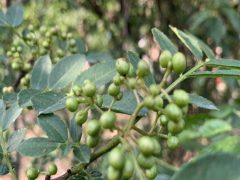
(100, 74)
(210, 167)
(14, 16)
(201, 102)
(198, 18)
(65, 71)
(40, 73)
(233, 16)
(65, 148)
(82, 153)
(54, 127)
(24, 97)
(189, 42)
(75, 130)
(187, 135)
(163, 41)
(81, 49)
(2, 19)
(77, 177)
(134, 59)
(11, 115)
(224, 63)
(99, 56)
(48, 102)
(216, 29)
(37, 147)
(1, 152)
(3, 170)
(219, 73)
(2, 110)
(214, 127)
(95, 174)
(126, 105)
(10, 98)
(15, 139)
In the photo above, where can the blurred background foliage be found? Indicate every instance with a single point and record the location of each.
(110, 28)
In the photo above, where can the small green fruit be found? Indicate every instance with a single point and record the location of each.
(93, 127)
(69, 35)
(173, 142)
(152, 173)
(145, 162)
(164, 58)
(81, 117)
(43, 51)
(173, 112)
(73, 50)
(19, 49)
(153, 89)
(31, 28)
(72, 104)
(89, 89)
(54, 30)
(146, 145)
(32, 174)
(24, 82)
(10, 89)
(148, 102)
(9, 54)
(132, 83)
(180, 98)
(108, 119)
(179, 63)
(72, 42)
(93, 141)
(77, 90)
(5, 90)
(163, 120)
(119, 96)
(122, 66)
(28, 77)
(131, 71)
(29, 37)
(158, 103)
(176, 128)
(60, 53)
(113, 90)
(13, 49)
(99, 100)
(128, 169)
(157, 147)
(15, 66)
(45, 44)
(52, 169)
(86, 81)
(184, 110)
(143, 69)
(27, 67)
(116, 158)
(113, 174)
(116, 80)
(56, 60)
(15, 43)
(43, 30)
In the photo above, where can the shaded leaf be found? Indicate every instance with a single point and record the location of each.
(37, 147)
(233, 16)
(65, 148)
(95, 174)
(14, 16)
(82, 153)
(99, 56)
(163, 41)
(100, 74)
(1, 152)
(134, 59)
(201, 102)
(10, 98)
(15, 139)
(3, 170)
(218, 73)
(75, 130)
(11, 115)
(2, 110)
(224, 63)
(24, 97)
(77, 177)
(189, 42)
(54, 127)
(65, 71)
(2, 19)
(126, 105)
(40, 73)
(81, 49)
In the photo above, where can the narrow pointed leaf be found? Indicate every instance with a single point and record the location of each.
(126, 105)
(65, 71)
(81, 49)
(189, 42)
(40, 73)
(37, 147)
(75, 130)
(224, 63)
(14, 16)
(24, 97)
(15, 139)
(201, 102)
(163, 41)
(219, 73)
(10, 98)
(2, 111)
(11, 115)
(100, 74)
(134, 59)
(54, 127)
(82, 153)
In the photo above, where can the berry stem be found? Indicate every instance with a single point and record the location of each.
(164, 93)
(164, 164)
(5, 153)
(112, 103)
(154, 124)
(137, 97)
(98, 109)
(137, 168)
(164, 79)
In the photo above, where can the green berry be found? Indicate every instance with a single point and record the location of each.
(10, 89)
(176, 127)
(116, 158)
(184, 110)
(43, 30)
(72, 104)
(148, 102)
(116, 80)
(145, 162)
(119, 96)
(99, 100)
(146, 145)
(27, 67)
(163, 120)
(173, 112)
(152, 173)
(34, 51)
(180, 98)
(32, 174)
(31, 28)
(15, 43)
(54, 30)
(122, 66)
(77, 90)
(165, 58)
(86, 81)
(113, 90)
(9, 54)
(28, 77)
(13, 49)
(179, 63)
(108, 119)
(132, 83)
(73, 50)
(131, 71)
(153, 90)
(93, 141)
(45, 44)
(69, 35)
(48, 35)
(157, 147)
(60, 53)
(15, 66)
(24, 82)
(158, 103)
(43, 51)
(29, 37)
(16, 55)
(89, 89)
(93, 128)
(56, 60)
(128, 169)
(173, 142)
(72, 42)
(81, 117)
(113, 174)
(5, 90)
(64, 35)
(143, 69)
(52, 169)
(19, 49)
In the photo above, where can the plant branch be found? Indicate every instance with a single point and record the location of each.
(164, 164)
(98, 109)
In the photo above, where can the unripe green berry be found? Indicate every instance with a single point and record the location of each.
(9, 54)
(99, 100)
(45, 44)
(113, 174)
(128, 169)
(132, 83)
(163, 120)
(31, 28)
(52, 169)
(54, 30)
(122, 66)
(5, 90)
(64, 35)
(72, 42)
(146, 145)
(179, 63)
(89, 89)
(77, 90)
(116, 80)
(119, 96)
(17, 61)
(43, 30)
(28, 77)
(152, 172)
(32, 174)
(180, 98)
(27, 67)
(184, 110)
(15, 66)
(113, 90)
(93, 127)
(13, 49)
(60, 53)
(86, 81)
(16, 55)
(48, 35)
(108, 119)
(93, 141)
(116, 158)
(19, 49)
(29, 37)
(145, 162)
(173, 112)
(173, 142)
(71, 104)
(15, 43)
(176, 128)
(131, 71)
(56, 60)
(158, 103)
(24, 82)
(43, 51)
(69, 35)
(81, 117)
(157, 147)
(148, 101)
(143, 69)
(153, 89)
(10, 89)
(73, 50)
(164, 58)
